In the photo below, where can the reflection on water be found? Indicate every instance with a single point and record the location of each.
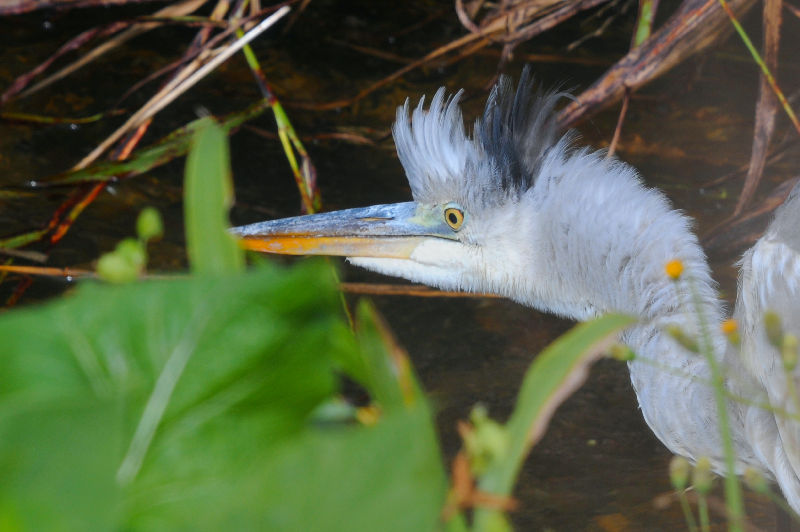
(598, 467)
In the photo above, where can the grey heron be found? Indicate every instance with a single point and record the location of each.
(515, 209)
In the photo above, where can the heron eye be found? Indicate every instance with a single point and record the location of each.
(454, 218)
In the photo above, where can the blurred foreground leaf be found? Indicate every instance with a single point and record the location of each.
(188, 402)
(208, 193)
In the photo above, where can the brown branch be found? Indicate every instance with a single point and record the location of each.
(404, 290)
(618, 130)
(15, 7)
(694, 26)
(48, 271)
(76, 42)
(767, 105)
(737, 232)
(180, 9)
(506, 27)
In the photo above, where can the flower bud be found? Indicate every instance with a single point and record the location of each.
(149, 225)
(133, 252)
(679, 468)
(621, 352)
(702, 477)
(773, 328)
(682, 338)
(486, 442)
(789, 351)
(730, 328)
(112, 267)
(674, 269)
(755, 481)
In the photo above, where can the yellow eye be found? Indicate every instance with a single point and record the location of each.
(454, 218)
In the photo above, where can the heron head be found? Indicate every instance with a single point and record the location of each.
(468, 226)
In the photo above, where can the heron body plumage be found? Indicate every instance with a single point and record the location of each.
(516, 210)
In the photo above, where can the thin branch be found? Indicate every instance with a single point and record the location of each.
(173, 90)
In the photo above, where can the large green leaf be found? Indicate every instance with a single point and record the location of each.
(187, 403)
(115, 388)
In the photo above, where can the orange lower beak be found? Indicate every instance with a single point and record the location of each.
(381, 231)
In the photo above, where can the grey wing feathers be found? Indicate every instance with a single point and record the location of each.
(770, 282)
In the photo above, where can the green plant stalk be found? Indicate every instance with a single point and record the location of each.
(286, 133)
(702, 510)
(733, 491)
(687, 511)
(732, 396)
(764, 68)
(791, 389)
(23, 240)
(644, 23)
(288, 137)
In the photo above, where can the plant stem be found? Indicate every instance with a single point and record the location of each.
(702, 510)
(687, 511)
(733, 491)
(764, 69)
(304, 174)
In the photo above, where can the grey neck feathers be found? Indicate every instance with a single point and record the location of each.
(602, 257)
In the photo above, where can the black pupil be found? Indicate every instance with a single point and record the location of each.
(453, 218)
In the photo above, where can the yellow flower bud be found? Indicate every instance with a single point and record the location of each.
(789, 351)
(674, 269)
(755, 480)
(773, 328)
(729, 326)
(702, 477)
(621, 352)
(680, 336)
(679, 472)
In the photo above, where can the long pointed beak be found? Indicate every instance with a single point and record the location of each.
(393, 231)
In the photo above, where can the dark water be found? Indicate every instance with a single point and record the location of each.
(598, 467)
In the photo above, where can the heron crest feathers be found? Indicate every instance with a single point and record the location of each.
(501, 159)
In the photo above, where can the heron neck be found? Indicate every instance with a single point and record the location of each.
(610, 239)
(612, 259)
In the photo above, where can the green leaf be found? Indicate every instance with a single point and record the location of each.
(385, 477)
(120, 399)
(553, 376)
(389, 379)
(189, 403)
(208, 194)
(149, 225)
